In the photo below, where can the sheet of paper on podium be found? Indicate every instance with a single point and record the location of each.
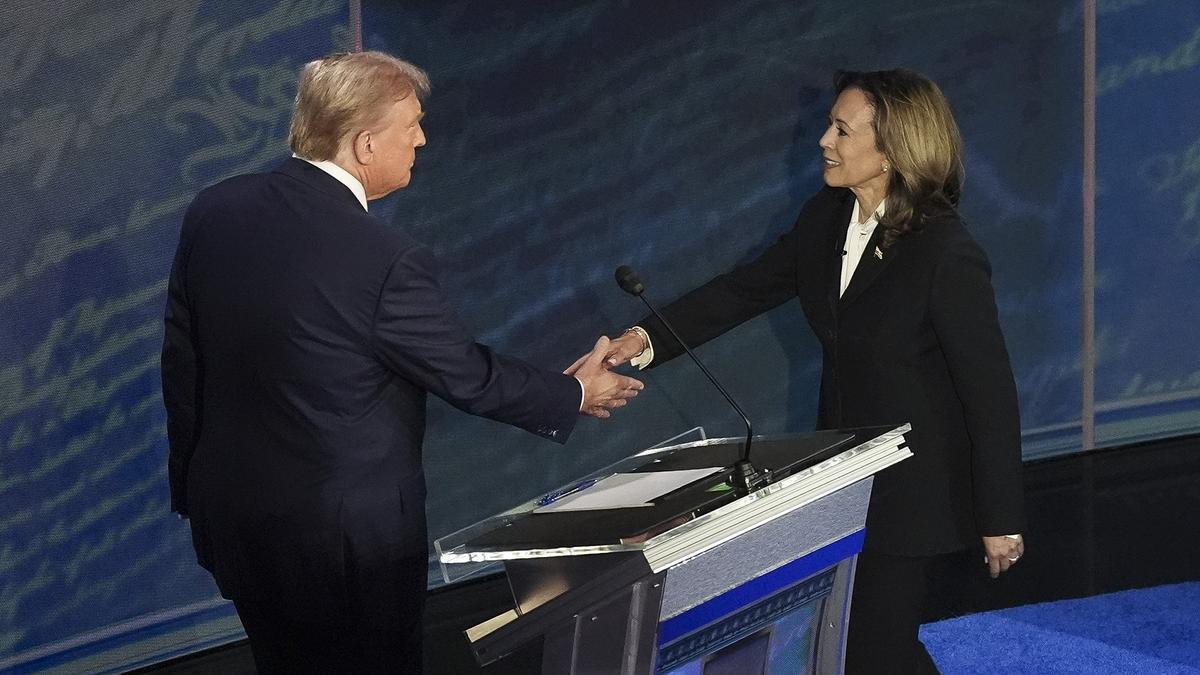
(625, 490)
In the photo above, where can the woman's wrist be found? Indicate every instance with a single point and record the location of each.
(642, 336)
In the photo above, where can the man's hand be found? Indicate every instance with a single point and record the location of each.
(604, 390)
(627, 346)
(1002, 553)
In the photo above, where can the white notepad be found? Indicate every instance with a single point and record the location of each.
(624, 490)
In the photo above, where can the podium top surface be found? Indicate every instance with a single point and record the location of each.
(526, 532)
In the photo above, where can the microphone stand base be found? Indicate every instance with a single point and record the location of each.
(746, 478)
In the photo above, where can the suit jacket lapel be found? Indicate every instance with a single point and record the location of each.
(874, 260)
(837, 235)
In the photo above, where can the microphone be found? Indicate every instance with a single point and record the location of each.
(628, 280)
(746, 478)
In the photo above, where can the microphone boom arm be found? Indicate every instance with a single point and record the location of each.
(746, 477)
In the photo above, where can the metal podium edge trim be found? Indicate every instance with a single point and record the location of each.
(732, 520)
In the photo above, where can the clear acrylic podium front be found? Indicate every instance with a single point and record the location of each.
(696, 580)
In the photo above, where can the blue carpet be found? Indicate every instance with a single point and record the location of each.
(1152, 630)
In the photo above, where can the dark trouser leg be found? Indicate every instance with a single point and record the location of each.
(281, 645)
(885, 615)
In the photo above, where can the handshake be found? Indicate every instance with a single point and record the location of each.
(604, 390)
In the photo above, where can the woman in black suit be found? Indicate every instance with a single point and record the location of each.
(900, 296)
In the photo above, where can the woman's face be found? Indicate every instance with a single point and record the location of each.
(851, 158)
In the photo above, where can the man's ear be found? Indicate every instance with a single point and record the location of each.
(364, 147)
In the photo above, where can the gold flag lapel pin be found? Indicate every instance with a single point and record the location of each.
(878, 253)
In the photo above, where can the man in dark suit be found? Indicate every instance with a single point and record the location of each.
(302, 337)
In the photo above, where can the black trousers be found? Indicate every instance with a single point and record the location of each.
(885, 616)
(283, 645)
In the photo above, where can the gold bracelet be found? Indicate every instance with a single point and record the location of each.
(641, 333)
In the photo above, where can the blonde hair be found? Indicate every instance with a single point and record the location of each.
(343, 94)
(915, 130)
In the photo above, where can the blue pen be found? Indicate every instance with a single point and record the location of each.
(559, 494)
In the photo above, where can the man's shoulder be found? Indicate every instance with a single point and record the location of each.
(279, 197)
(231, 191)
(275, 189)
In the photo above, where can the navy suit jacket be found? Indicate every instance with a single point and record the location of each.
(915, 338)
(302, 335)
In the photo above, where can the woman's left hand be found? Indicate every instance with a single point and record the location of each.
(1002, 552)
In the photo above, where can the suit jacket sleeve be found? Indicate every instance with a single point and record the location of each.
(963, 312)
(418, 336)
(182, 377)
(728, 300)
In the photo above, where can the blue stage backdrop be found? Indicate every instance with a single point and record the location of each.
(1148, 220)
(565, 138)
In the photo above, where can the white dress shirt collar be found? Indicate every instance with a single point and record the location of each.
(343, 176)
(857, 236)
(856, 214)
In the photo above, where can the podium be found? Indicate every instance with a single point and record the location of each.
(698, 579)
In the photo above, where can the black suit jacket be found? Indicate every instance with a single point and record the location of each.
(915, 338)
(302, 335)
